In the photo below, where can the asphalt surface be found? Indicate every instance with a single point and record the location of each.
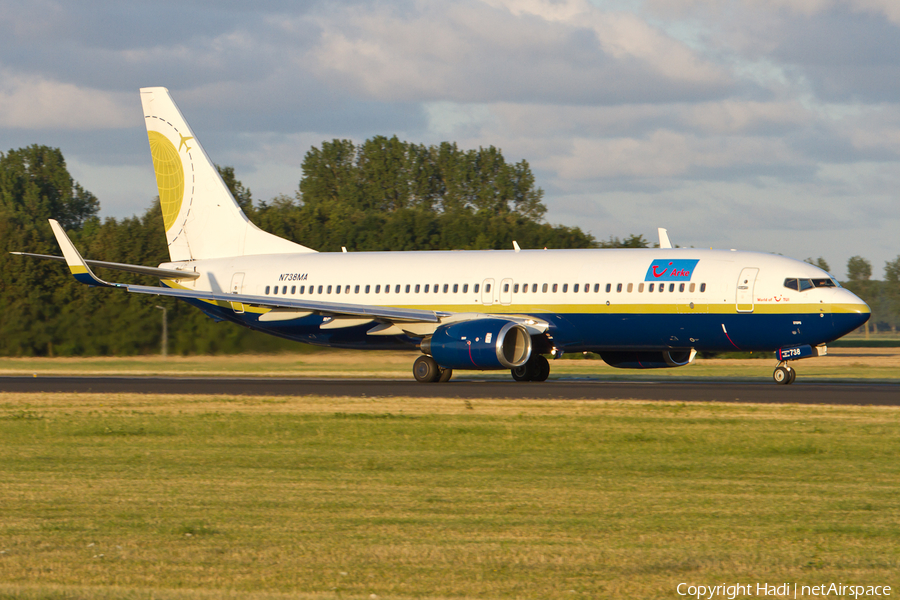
(861, 393)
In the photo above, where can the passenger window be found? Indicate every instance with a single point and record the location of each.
(267, 290)
(329, 290)
(347, 289)
(640, 287)
(608, 288)
(475, 289)
(455, 288)
(397, 289)
(681, 287)
(554, 288)
(447, 288)
(630, 287)
(505, 287)
(693, 286)
(368, 287)
(544, 288)
(524, 288)
(275, 290)
(377, 289)
(650, 287)
(356, 290)
(487, 288)
(671, 287)
(596, 288)
(619, 288)
(465, 288)
(302, 289)
(407, 288)
(575, 288)
(427, 287)
(337, 289)
(702, 287)
(387, 289)
(417, 288)
(565, 288)
(516, 288)
(662, 287)
(437, 288)
(320, 289)
(293, 290)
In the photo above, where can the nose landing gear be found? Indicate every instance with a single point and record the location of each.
(784, 374)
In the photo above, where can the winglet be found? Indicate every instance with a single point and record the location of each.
(79, 268)
(664, 238)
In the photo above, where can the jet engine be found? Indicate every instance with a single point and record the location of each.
(479, 344)
(649, 360)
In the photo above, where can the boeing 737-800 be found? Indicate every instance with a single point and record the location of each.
(478, 310)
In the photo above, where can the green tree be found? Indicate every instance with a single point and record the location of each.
(892, 290)
(632, 241)
(859, 269)
(819, 262)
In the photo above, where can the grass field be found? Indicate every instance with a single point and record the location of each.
(138, 496)
(840, 364)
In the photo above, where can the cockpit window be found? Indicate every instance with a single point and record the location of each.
(824, 282)
(807, 284)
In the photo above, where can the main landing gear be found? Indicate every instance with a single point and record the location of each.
(426, 370)
(784, 374)
(536, 369)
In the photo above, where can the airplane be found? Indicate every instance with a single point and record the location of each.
(472, 310)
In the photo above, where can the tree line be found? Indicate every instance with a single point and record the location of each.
(382, 194)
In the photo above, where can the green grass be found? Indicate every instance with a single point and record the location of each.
(138, 496)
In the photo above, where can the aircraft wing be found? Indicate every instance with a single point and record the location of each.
(82, 272)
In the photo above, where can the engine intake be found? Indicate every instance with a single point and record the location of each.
(481, 344)
(648, 360)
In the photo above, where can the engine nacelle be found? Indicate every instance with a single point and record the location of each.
(649, 360)
(480, 344)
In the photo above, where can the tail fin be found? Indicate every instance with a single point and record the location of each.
(201, 217)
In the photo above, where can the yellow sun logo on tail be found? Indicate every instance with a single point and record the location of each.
(169, 175)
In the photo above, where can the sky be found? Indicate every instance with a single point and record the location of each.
(768, 125)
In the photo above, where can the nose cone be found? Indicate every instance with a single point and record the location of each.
(849, 312)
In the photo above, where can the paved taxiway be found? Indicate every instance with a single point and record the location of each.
(861, 393)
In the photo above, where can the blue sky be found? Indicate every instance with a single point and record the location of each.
(769, 125)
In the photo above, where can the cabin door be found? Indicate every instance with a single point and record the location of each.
(237, 284)
(745, 284)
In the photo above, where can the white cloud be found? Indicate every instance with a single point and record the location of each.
(32, 102)
(473, 52)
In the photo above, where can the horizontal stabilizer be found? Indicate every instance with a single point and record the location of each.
(139, 269)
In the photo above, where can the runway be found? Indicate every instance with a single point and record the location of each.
(856, 393)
